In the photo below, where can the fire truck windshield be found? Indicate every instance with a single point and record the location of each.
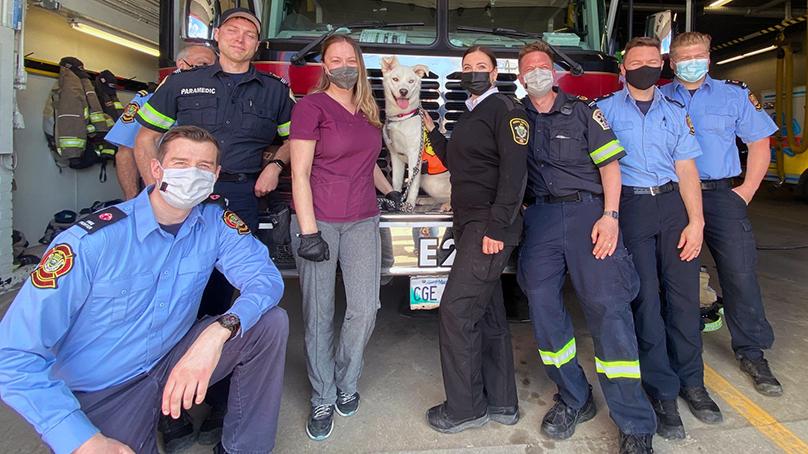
(295, 19)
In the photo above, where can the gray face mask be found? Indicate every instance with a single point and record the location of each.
(539, 82)
(344, 77)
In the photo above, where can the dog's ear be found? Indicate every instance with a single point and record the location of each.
(421, 70)
(388, 63)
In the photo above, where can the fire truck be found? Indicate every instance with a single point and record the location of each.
(430, 32)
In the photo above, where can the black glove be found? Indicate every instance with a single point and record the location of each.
(395, 197)
(313, 247)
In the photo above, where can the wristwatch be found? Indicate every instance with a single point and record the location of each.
(279, 163)
(612, 214)
(231, 322)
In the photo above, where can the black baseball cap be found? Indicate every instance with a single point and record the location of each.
(243, 13)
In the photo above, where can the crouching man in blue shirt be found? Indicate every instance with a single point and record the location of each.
(104, 337)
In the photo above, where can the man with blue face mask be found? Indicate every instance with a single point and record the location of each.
(722, 110)
(103, 338)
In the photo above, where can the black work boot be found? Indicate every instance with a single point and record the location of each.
(762, 376)
(669, 424)
(438, 418)
(210, 433)
(635, 444)
(321, 422)
(701, 404)
(178, 434)
(219, 449)
(504, 415)
(559, 423)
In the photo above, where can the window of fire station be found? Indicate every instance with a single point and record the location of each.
(295, 19)
(560, 17)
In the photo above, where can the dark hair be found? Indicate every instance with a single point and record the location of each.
(488, 53)
(192, 133)
(641, 41)
(536, 46)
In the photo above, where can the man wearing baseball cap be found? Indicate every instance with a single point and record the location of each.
(246, 111)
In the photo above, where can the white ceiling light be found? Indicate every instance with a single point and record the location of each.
(718, 3)
(748, 54)
(114, 36)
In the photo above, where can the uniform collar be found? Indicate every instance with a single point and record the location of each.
(625, 95)
(707, 84)
(561, 98)
(251, 73)
(146, 223)
(472, 104)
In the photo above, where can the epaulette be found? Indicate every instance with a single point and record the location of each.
(277, 77)
(216, 199)
(100, 219)
(142, 93)
(673, 101)
(511, 102)
(738, 83)
(601, 98)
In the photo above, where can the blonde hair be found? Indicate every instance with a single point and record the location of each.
(362, 93)
(689, 39)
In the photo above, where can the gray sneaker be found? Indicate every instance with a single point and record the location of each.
(347, 404)
(321, 422)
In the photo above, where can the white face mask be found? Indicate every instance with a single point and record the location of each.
(538, 82)
(185, 188)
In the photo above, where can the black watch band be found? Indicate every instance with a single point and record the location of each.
(231, 322)
(279, 163)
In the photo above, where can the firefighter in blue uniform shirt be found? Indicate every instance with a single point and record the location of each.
(246, 111)
(722, 110)
(122, 135)
(571, 224)
(662, 224)
(104, 336)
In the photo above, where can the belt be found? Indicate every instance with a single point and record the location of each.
(711, 185)
(237, 177)
(578, 196)
(652, 190)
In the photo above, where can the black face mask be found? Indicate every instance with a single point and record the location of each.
(643, 77)
(476, 82)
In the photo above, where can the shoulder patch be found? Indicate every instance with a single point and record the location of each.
(129, 112)
(520, 131)
(216, 199)
(232, 220)
(673, 101)
(737, 83)
(690, 125)
(101, 219)
(57, 262)
(600, 119)
(753, 99)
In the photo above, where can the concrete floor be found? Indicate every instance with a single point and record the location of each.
(402, 376)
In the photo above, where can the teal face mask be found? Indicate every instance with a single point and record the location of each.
(692, 70)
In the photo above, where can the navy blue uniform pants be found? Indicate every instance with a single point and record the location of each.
(728, 234)
(476, 355)
(218, 295)
(666, 311)
(129, 412)
(557, 239)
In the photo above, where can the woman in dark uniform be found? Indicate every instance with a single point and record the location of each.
(487, 159)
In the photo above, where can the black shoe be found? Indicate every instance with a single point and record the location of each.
(635, 444)
(559, 423)
(439, 420)
(178, 434)
(347, 404)
(210, 433)
(669, 424)
(701, 404)
(762, 376)
(219, 449)
(321, 422)
(504, 415)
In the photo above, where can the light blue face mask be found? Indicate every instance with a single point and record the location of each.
(692, 70)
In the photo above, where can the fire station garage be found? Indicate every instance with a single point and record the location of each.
(139, 265)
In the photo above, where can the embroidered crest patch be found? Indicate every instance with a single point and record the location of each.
(129, 112)
(232, 220)
(753, 99)
(600, 119)
(57, 262)
(520, 131)
(690, 125)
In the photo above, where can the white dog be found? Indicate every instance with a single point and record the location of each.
(403, 132)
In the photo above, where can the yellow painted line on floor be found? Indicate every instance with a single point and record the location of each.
(758, 417)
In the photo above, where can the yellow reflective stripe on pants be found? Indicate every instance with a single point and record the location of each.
(560, 357)
(618, 369)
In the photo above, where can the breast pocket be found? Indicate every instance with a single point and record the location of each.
(567, 146)
(197, 110)
(717, 121)
(193, 273)
(257, 121)
(115, 300)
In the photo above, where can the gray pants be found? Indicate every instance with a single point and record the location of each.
(357, 247)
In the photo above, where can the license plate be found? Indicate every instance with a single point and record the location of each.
(426, 291)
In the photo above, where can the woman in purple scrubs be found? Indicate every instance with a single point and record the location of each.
(335, 141)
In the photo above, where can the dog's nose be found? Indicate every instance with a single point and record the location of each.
(403, 92)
